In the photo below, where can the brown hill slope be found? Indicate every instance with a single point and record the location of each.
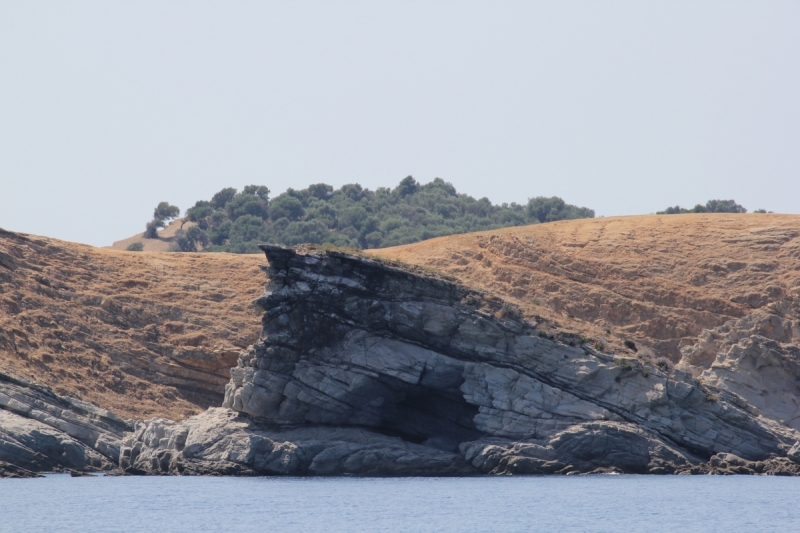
(659, 280)
(165, 240)
(139, 333)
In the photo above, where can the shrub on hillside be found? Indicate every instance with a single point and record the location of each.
(135, 247)
(712, 206)
(554, 208)
(193, 239)
(724, 206)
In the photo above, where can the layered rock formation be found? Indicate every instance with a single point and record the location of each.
(370, 368)
(41, 431)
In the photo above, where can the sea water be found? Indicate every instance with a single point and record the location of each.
(597, 503)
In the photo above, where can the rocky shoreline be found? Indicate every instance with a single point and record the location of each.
(366, 367)
(41, 431)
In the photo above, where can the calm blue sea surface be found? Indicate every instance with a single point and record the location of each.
(593, 504)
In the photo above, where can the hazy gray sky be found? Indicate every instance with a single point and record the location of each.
(107, 108)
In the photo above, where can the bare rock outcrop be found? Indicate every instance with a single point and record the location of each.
(41, 431)
(222, 442)
(370, 368)
(755, 357)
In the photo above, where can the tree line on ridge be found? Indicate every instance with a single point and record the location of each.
(351, 216)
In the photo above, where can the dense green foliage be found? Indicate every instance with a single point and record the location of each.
(354, 217)
(712, 206)
(161, 214)
(137, 246)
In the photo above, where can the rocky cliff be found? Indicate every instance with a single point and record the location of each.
(371, 368)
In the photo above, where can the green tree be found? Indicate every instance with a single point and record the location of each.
(161, 214)
(221, 199)
(193, 239)
(287, 207)
(247, 204)
(712, 206)
(320, 191)
(152, 227)
(246, 228)
(257, 190)
(554, 208)
(166, 211)
(358, 217)
(407, 186)
(724, 206)
(352, 217)
(220, 233)
(200, 213)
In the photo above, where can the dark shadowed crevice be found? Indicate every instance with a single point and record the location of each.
(440, 419)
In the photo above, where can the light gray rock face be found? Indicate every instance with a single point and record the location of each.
(354, 345)
(755, 357)
(222, 442)
(41, 431)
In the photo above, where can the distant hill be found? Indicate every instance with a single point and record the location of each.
(164, 242)
(352, 216)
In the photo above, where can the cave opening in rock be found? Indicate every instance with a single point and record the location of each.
(441, 419)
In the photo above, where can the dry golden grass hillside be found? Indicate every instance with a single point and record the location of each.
(140, 333)
(164, 242)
